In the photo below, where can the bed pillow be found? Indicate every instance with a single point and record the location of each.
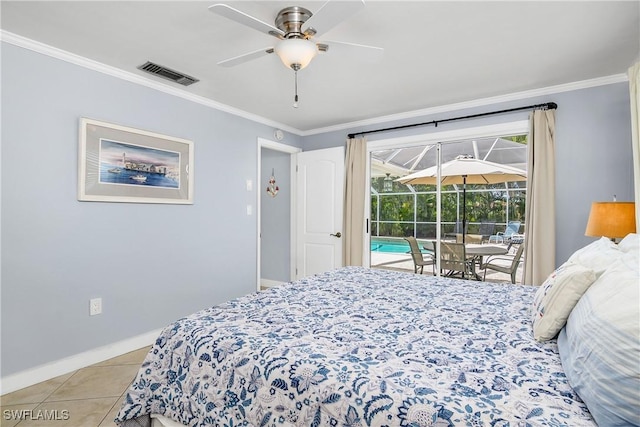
(631, 243)
(630, 261)
(600, 347)
(597, 255)
(557, 296)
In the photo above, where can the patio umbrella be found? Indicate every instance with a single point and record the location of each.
(466, 170)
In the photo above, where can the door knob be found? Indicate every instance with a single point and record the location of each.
(338, 235)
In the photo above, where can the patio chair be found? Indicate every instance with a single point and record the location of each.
(453, 260)
(458, 227)
(511, 269)
(430, 247)
(419, 260)
(487, 228)
(516, 238)
(457, 231)
(504, 237)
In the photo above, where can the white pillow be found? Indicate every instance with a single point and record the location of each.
(597, 256)
(630, 243)
(600, 347)
(557, 296)
(629, 261)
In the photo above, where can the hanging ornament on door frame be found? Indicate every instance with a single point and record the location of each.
(272, 188)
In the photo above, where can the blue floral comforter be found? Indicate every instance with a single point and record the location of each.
(359, 347)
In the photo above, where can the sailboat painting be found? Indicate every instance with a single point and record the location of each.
(127, 165)
(135, 165)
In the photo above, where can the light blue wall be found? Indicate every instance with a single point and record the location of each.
(593, 150)
(57, 252)
(275, 217)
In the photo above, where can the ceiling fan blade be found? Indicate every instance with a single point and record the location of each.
(246, 19)
(241, 59)
(331, 14)
(360, 52)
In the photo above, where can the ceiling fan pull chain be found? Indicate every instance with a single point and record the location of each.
(295, 99)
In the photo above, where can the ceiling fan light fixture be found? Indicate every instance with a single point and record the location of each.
(296, 53)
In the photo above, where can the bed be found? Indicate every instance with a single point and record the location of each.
(359, 347)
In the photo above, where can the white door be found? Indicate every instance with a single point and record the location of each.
(320, 189)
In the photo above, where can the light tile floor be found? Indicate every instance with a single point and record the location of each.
(88, 397)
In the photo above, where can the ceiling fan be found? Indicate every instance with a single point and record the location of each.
(297, 29)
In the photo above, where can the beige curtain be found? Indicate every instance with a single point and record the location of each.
(354, 194)
(634, 92)
(540, 249)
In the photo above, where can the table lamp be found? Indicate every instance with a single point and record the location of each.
(611, 219)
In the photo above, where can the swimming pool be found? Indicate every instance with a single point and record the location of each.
(389, 245)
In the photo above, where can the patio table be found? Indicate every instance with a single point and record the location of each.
(477, 251)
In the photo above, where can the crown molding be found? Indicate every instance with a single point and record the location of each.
(63, 55)
(54, 52)
(516, 96)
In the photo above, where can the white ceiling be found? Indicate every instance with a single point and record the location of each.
(436, 53)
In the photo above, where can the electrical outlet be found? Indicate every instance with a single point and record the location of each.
(95, 306)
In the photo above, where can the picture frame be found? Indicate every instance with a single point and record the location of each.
(123, 164)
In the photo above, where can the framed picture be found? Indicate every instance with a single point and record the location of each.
(122, 164)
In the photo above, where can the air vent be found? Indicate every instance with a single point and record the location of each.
(168, 73)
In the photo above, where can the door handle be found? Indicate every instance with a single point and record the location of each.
(338, 235)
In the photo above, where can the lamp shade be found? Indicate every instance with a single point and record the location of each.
(296, 51)
(611, 219)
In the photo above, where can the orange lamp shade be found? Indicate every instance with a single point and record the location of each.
(611, 219)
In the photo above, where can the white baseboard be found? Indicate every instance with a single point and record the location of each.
(266, 283)
(54, 369)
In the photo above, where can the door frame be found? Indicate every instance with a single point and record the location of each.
(513, 127)
(284, 148)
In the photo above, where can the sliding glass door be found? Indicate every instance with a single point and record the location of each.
(431, 212)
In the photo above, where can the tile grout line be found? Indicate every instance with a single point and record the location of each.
(118, 401)
(118, 398)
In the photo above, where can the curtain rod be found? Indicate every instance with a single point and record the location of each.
(545, 106)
